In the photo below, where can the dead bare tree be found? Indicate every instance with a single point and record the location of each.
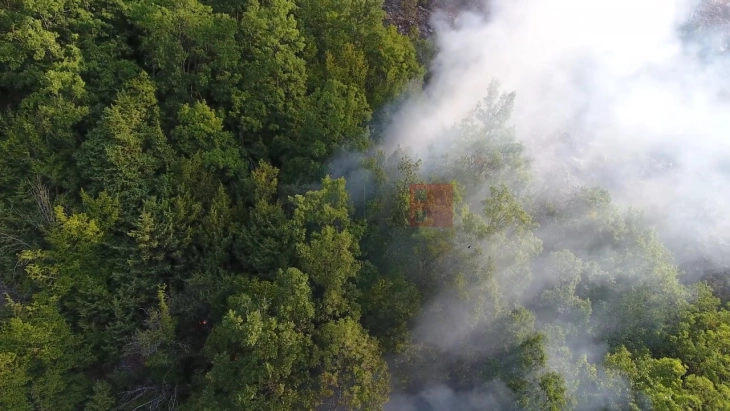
(149, 397)
(43, 200)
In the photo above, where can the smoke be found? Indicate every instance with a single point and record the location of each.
(643, 104)
(442, 398)
(625, 94)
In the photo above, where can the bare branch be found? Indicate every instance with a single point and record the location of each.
(13, 239)
(161, 394)
(43, 200)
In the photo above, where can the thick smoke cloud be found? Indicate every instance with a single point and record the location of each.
(623, 94)
(613, 93)
(441, 398)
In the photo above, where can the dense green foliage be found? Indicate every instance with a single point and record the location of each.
(163, 244)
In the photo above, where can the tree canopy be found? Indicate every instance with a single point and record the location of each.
(173, 234)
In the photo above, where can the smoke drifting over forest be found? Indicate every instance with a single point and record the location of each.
(170, 237)
(625, 95)
(619, 94)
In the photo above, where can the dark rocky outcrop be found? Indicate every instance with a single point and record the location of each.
(407, 15)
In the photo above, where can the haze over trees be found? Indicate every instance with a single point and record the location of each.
(172, 235)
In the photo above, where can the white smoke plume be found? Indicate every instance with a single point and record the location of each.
(647, 111)
(618, 94)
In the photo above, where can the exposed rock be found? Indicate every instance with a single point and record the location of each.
(711, 13)
(709, 26)
(409, 14)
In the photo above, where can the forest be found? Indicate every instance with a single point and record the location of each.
(196, 214)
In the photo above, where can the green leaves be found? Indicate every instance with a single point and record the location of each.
(503, 211)
(329, 262)
(349, 37)
(66, 265)
(40, 360)
(388, 307)
(353, 375)
(161, 231)
(689, 370)
(186, 46)
(701, 338)
(260, 351)
(290, 340)
(126, 152)
(324, 207)
(129, 133)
